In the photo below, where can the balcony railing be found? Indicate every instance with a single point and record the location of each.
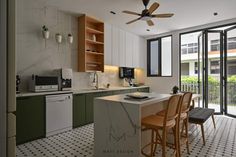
(213, 91)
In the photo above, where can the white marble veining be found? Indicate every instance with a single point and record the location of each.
(117, 124)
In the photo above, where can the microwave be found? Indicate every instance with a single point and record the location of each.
(43, 83)
(125, 72)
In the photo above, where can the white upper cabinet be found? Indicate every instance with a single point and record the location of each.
(136, 51)
(108, 44)
(123, 49)
(122, 46)
(142, 53)
(115, 46)
(129, 49)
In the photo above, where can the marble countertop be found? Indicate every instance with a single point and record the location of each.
(152, 98)
(77, 91)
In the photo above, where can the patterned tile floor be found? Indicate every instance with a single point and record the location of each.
(79, 142)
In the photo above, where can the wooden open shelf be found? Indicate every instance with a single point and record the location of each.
(93, 31)
(94, 53)
(94, 42)
(91, 53)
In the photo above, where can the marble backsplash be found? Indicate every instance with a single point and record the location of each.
(38, 56)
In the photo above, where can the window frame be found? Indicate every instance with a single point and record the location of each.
(159, 39)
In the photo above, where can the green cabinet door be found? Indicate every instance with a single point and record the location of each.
(145, 90)
(106, 93)
(30, 119)
(89, 106)
(120, 92)
(133, 90)
(79, 104)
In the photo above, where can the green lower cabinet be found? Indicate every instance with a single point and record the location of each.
(133, 90)
(89, 106)
(145, 90)
(79, 109)
(30, 119)
(105, 94)
(120, 92)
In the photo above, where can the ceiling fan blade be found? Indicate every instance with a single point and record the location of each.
(150, 23)
(131, 12)
(162, 15)
(133, 21)
(153, 7)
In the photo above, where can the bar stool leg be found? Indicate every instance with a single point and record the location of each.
(203, 135)
(186, 134)
(213, 119)
(164, 143)
(156, 139)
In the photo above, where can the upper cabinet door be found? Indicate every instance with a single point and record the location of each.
(142, 52)
(136, 51)
(129, 49)
(122, 44)
(115, 46)
(108, 44)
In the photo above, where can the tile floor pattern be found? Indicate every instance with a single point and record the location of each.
(79, 142)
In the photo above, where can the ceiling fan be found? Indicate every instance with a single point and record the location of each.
(147, 15)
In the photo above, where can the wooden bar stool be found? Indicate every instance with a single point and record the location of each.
(183, 119)
(185, 108)
(164, 123)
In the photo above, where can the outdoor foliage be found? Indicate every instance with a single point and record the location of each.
(232, 78)
(194, 79)
(231, 90)
(190, 83)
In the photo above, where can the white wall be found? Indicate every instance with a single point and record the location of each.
(165, 84)
(35, 56)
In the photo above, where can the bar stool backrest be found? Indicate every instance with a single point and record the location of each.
(186, 101)
(172, 109)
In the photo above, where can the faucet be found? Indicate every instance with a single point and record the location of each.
(95, 80)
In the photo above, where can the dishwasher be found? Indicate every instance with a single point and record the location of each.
(58, 113)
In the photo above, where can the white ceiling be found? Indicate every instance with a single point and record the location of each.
(188, 13)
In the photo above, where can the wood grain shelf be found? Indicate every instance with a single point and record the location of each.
(94, 42)
(94, 53)
(94, 31)
(93, 63)
(90, 61)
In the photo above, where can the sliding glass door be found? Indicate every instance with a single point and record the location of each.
(230, 70)
(212, 69)
(208, 67)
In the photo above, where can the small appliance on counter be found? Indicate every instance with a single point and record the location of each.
(65, 79)
(43, 83)
(127, 74)
(17, 84)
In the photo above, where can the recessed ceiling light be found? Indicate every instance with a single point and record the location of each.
(112, 12)
(215, 13)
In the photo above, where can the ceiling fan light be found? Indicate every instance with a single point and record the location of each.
(146, 18)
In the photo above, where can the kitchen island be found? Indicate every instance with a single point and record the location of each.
(117, 123)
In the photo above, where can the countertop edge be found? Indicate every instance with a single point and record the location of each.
(82, 91)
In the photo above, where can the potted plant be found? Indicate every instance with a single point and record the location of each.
(45, 32)
(58, 38)
(175, 89)
(70, 38)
